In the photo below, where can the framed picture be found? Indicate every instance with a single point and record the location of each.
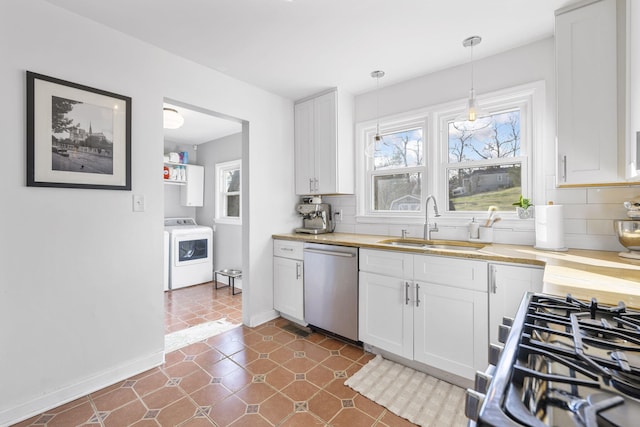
(77, 136)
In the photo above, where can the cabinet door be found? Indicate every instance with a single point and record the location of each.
(385, 318)
(450, 329)
(325, 142)
(192, 193)
(508, 284)
(288, 288)
(586, 62)
(304, 147)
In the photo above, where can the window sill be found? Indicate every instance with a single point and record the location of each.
(227, 221)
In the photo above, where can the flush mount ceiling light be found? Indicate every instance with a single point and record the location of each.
(371, 145)
(172, 119)
(473, 112)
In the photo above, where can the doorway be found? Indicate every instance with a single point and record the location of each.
(206, 138)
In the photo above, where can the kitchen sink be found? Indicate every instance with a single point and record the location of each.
(432, 244)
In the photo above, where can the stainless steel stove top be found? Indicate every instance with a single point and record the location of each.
(565, 363)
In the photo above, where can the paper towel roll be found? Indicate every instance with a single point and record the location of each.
(550, 228)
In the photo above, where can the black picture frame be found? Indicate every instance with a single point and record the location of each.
(77, 136)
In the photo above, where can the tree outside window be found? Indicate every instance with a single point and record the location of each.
(484, 162)
(396, 169)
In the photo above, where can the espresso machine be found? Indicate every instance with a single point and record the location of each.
(316, 216)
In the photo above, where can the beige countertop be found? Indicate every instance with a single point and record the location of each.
(582, 273)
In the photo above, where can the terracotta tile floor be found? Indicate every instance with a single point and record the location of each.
(193, 305)
(265, 376)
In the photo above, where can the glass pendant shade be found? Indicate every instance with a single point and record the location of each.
(477, 117)
(370, 149)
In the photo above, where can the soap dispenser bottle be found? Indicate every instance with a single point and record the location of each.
(474, 229)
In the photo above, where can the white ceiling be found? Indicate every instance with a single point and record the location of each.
(199, 127)
(296, 48)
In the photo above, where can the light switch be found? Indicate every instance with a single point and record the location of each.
(138, 203)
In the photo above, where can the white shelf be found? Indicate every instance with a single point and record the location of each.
(174, 182)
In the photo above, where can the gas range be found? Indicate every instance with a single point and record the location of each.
(564, 362)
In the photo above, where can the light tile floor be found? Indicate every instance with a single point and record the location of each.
(270, 375)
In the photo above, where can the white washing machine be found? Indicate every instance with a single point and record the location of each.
(166, 260)
(190, 252)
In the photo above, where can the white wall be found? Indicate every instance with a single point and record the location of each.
(227, 238)
(589, 213)
(81, 275)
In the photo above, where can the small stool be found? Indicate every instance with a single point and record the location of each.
(232, 275)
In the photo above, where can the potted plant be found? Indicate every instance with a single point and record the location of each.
(524, 208)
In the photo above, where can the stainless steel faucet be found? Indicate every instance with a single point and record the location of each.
(427, 227)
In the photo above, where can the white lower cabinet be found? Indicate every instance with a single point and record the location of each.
(507, 286)
(385, 319)
(431, 309)
(288, 285)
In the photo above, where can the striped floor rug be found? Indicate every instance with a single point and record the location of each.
(418, 397)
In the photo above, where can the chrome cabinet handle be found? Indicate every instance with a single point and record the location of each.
(564, 166)
(492, 279)
(297, 270)
(310, 184)
(417, 295)
(406, 293)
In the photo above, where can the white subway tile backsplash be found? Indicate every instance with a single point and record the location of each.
(566, 196)
(345, 228)
(594, 211)
(600, 227)
(615, 195)
(588, 213)
(575, 226)
(381, 229)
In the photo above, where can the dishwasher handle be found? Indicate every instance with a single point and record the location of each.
(331, 253)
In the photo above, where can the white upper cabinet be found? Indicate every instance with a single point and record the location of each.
(324, 145)
(192, 193)
(633, 90)
(589, 142)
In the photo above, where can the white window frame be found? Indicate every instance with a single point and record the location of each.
(530, 98)
(392, 126)
(221, 193)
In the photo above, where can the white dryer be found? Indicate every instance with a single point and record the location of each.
(190, 252)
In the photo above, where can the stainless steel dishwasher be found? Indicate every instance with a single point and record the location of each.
(331, 288)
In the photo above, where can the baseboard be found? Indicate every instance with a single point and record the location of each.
(260, 318)
(81, 388)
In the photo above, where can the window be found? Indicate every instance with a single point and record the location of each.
(484, 166)
(468, 167)
(228, 200)
(396, 168)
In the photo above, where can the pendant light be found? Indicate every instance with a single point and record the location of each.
(370, 150)
(171, 118)
(473, 113)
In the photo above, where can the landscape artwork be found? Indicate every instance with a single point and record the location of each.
(82, 137)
